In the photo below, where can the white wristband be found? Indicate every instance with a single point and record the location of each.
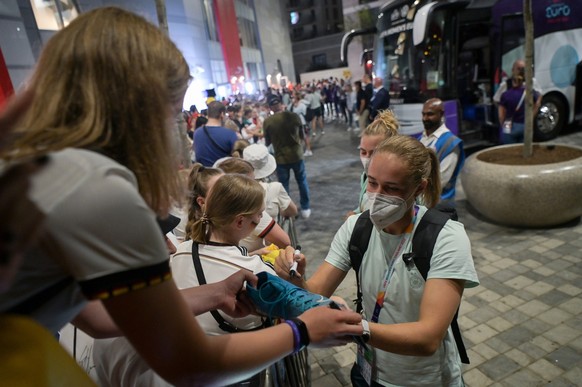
(366, 331)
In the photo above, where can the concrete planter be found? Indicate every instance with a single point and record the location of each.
(524, 195)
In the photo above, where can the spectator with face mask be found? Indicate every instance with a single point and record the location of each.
(448, 147)
(408, 319)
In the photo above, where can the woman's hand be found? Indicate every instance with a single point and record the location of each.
(284, 262)
(341, 302)
(329, 327)
(262, 251)
(235, 301)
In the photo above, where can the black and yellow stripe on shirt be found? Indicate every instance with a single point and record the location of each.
(119, 283)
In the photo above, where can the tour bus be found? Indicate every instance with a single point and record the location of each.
(461, 50)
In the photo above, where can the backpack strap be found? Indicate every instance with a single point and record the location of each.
(423, 243)
(222, 323)
(357, 248)
(220, 148)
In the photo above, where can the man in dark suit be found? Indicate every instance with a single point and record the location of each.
(380, 99)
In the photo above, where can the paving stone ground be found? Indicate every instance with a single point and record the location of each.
(522, 326)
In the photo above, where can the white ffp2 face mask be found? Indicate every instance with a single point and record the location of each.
(365, 163)
(385, 209)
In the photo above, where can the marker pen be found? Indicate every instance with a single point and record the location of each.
(293, 270)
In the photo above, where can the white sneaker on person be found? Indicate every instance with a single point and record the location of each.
(306, 213)
(308, 153)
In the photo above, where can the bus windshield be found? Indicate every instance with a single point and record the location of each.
(413, 73)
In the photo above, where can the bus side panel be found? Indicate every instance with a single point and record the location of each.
(556, 58)
(452, 118)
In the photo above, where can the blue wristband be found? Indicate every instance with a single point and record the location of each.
(296, 336)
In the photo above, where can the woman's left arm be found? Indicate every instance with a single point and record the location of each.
(440, 301)
(226, 295)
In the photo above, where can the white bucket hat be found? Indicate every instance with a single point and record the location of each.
(262, 161)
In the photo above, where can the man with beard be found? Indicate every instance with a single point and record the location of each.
(447, 146)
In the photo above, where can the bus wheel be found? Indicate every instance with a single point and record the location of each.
(551, 118)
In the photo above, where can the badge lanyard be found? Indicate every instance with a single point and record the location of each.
(380, 297)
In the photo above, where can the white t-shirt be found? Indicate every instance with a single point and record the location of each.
(276, 198)
(180, 230)
(255, 241)
(300, 109)
(218, 262)
(97, 230)
(117, 363)
(451, 259)
(314, 99)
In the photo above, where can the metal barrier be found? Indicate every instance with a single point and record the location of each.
(294, 370)
(288, 225)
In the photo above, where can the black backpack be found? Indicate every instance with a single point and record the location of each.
(423, 243)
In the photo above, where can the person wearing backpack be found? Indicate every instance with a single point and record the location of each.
(408, 318)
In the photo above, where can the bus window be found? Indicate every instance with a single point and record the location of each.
(512, 41)
(474, 64)
(394, 61)
(434, 57)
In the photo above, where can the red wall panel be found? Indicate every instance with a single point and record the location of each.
(229, 37)
(6, 88)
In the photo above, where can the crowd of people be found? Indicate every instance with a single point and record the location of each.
(285, 120)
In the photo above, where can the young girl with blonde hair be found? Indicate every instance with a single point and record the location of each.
(268, 230)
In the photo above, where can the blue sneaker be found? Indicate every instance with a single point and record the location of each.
(276, 297)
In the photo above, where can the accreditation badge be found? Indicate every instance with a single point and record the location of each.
(364, 360)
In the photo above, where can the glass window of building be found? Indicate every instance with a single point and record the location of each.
(218, 68)
(319, 59)
(53, 14)
(253, 71)
(247, 33)
(209, 21)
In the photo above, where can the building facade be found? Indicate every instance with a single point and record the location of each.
(231, 46)
(316, 28)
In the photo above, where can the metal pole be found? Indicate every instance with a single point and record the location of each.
(529, 51)
(162, 16)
